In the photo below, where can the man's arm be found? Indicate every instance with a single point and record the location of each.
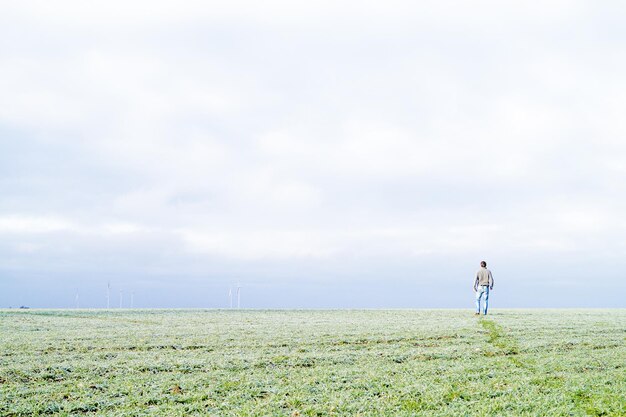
(476, 283)
(491, 280)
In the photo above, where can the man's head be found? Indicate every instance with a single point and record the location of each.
(483, 264)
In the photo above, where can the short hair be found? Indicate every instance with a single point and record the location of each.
(483, 263)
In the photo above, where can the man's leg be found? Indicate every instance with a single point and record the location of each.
(486, 299)
(478, 296)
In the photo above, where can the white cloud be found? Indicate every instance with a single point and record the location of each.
(121, 229)
(256, 245)
(288, 13)
(18, 224)
(290, 131)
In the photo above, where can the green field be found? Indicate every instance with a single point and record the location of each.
(312, 363)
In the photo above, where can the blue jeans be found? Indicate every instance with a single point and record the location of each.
(482, 293)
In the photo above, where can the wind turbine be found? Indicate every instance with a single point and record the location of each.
(132, 298)
(238, 295)
(230, 296)
(108, 295)
(77, 300)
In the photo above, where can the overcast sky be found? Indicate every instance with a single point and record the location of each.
(320, 153)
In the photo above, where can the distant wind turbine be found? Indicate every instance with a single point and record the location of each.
(238, 295)
(230, 297)
(77, 300)
(108, 295)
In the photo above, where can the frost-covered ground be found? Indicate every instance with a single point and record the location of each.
(323, 363)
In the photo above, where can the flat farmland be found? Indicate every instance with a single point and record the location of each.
(312, 363)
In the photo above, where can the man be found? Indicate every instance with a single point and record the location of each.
(482, 285)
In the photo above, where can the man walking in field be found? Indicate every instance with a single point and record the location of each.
(482, 285)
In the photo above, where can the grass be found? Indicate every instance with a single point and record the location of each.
(312, 363)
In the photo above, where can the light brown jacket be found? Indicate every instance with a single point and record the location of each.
(483, 277)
